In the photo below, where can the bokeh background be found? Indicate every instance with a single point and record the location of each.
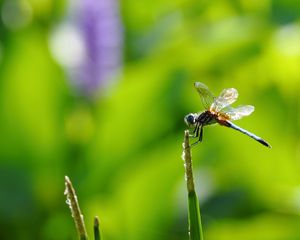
(97, 90)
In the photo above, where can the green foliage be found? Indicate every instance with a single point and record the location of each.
(194, 217)
(97, 235)
(122, 150)
(195, 231)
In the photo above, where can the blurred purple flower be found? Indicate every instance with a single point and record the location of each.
(89, 44)
(99, 23)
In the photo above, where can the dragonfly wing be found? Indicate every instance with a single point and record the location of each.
(227, 97)
(207, 98)
(238, 113)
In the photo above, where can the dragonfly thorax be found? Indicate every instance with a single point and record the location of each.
(206, 118)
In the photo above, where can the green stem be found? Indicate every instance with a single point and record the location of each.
(97, 235)
(75, 210)
(195, 227)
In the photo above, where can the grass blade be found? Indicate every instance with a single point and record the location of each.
(75, 210)
(195, 227)
(97, 235)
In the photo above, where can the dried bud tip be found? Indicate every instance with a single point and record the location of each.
(67, 179)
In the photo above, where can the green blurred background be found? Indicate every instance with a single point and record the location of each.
(122, 146)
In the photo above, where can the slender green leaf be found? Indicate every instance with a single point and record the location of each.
(195, 227)
(75, 210)
(97, 235)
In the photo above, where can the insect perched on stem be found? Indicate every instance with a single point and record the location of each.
(218, 110)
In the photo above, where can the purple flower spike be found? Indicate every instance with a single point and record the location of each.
(89, 44)
(101, 29)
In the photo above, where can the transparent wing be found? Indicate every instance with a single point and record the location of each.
(237, 113)
(207, 98)
(227, 97)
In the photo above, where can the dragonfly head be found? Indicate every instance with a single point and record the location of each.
(190, 119)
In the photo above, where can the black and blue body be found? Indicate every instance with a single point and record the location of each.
(208, 118)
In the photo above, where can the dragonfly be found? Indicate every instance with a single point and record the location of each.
(218, 111)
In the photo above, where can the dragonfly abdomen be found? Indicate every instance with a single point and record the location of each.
(233, 126)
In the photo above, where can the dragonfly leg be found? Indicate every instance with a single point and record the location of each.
(195, 132)
(201, 134)
(199, 129)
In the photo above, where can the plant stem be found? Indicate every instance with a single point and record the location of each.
(195, 227)
(97, 235)
(75, 210)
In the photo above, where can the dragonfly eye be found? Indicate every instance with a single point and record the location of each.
(190, 119)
